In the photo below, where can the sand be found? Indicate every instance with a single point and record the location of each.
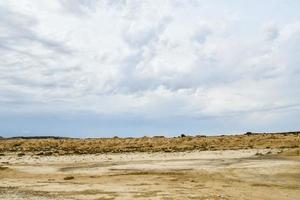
(229, 174)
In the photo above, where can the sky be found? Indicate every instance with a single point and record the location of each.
(87, 68)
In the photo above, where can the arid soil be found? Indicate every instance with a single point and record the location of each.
(252, 166)
(223, 174)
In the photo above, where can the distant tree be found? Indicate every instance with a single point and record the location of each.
(200, 136)
(158, 136)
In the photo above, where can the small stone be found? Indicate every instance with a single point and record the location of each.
(69, 178)
(21, 154)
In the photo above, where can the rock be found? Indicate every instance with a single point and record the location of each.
(69, 178)
(39, 153)
(3, 168)
(48, 153)
(21, 154)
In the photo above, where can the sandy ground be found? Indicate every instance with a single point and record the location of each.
(231, 174)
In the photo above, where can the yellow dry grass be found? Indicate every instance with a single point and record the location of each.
(150, 144)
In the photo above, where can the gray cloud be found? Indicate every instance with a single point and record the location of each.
(147, 60)
(18, 31)
(79, 7)
(271, 31)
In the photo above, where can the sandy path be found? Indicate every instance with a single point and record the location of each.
(236, 174)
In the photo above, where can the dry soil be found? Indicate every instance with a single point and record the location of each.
(223, 174)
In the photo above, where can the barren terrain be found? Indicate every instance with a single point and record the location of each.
(243, 172)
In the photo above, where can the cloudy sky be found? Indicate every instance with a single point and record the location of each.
(88, 68)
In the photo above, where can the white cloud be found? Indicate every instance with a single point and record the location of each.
(149, 59)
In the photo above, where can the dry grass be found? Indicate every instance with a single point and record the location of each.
(149, 144)
(291, 152)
